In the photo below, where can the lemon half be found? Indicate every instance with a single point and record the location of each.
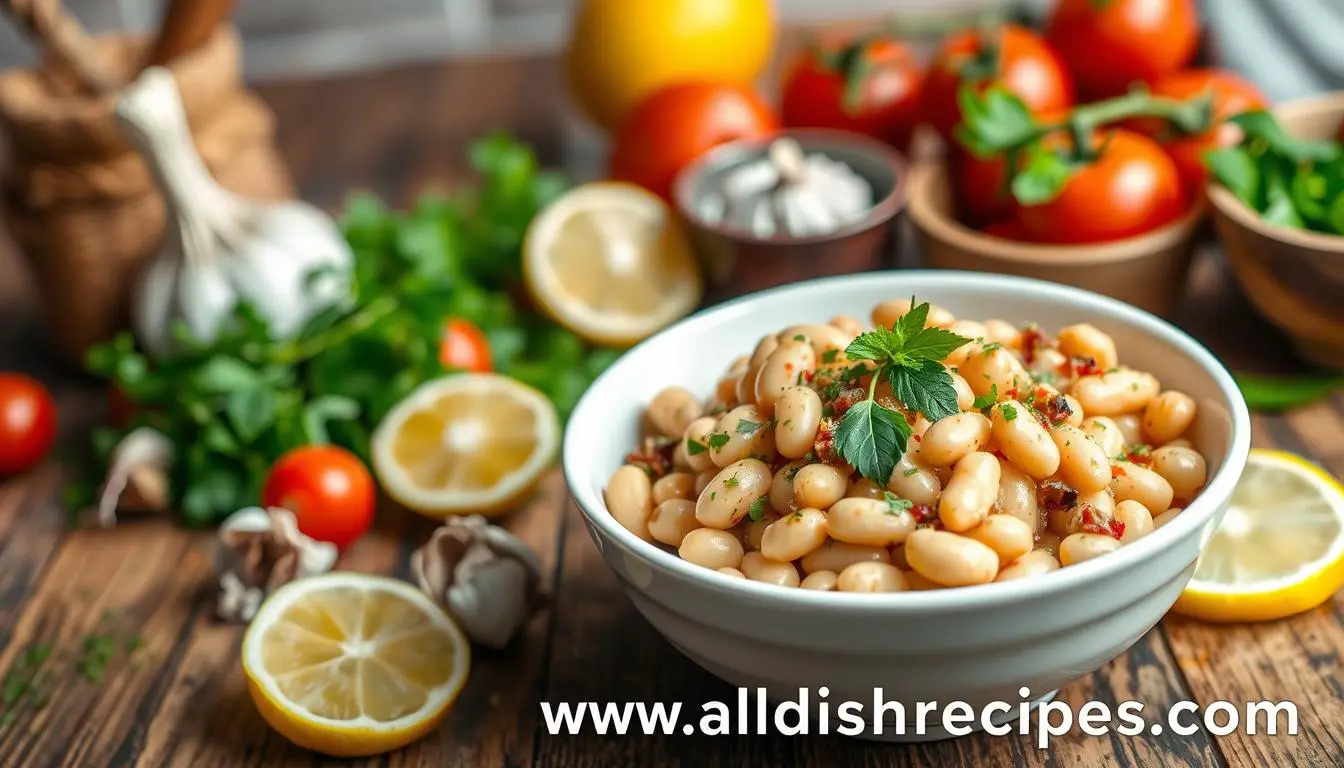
(1280, 549)
(349, 665)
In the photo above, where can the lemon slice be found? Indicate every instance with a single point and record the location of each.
(350, 665)
(610, 262)
(472, 443)
(1280, 549)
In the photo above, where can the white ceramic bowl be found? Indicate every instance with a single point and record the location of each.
(977, 644)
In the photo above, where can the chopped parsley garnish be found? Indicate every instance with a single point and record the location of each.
(799, 337)
(757, 509)
(793, 472)
(909, 355)
(910, 471)
(747, 427)
(1009, 412)
(990, 347)
(988, 399)
(695, 447)
(895, 504)
(718, 440)
(731, 482)
(830, 355)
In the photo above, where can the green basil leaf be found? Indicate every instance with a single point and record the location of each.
(872, 439)
(217, 437)
(1273, 394)
(1238, 171)
(925, 387)
(251, 411)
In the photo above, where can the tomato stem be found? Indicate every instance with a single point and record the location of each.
(1190, 116)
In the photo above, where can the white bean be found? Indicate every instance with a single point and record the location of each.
(758, 567)
(965, 395)
(1106, 433)
(995, 369)
(822, 581)
(1115, 393)
(913, 481)
(711, 549)
(886, 313)
(1017, 496)
(729, 496)
(792, 536)
(819, 486)
(1138, 521)
(868, 521)
(696, 439)
(629, 499)
(1166, 517)
(1141, 484)
(1034, 563)
(736, 574)
(742, 432)
(672, 520)
(1083, 463)
(797, 418)
(1003, 332)
(1168, 416)
(1009, 537)
(953, 437)
(1130, 427)
(1024, 441)
(781, 488)
(835, 556)
(949, 559)
(785, 367)
(1184, 469)
(850, 326)
(871, 577)
(823, 338)
(673, 409)
(674, 485)
(971, 492)
(1079, 547)
(1085, 340)
(863, 488)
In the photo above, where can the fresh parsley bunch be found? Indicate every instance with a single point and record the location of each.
(872, 437)
(232, 407)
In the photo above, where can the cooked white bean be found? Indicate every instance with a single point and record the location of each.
(969, 495)
(823, 338)
(673, 409)
(753, 531)
(781, 488)
(1138, 521)
(797, 417)
(996, 369)
(1115, 393)
(1106, 433)
(871, 577)
(952, 437)
(740, 433)
(1050, 362)
(968, 329)
(1034, 563)
(758, 567)
(863, 488)
(1017, 497)
(1009, 537)
(1003, 332)
(1024, 441)
(1166, 517)
(917, 583)
(725, 391)
(787, 366)
(1066, 521)
(1168, 416)
(745, 390)
(1141, 484)
(681, 462)
(819, 486)
(1130, 427)
(898, 557)
(703, 479)
(629, 499)
(913, 481)
(1083, 463)
(698, 432)
(1083, 340)
(1075, 418)
(1079, 547)
(822, 581)
(949, 559)
(729, 496)
(674, 485)
(792, 536)
(965, 395)
(731, 572)
(836, 556)
(711, 549)
(850, 326)
(1048, 541)
(1181, 443)
(886, 313)
(868, 521)
(672, 520)
(1184, 469)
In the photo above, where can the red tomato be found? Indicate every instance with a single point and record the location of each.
(980, 187)
(1006, 229)
(1110, 45)
(1132, 188)
(1024, 64)
(869, 86)
(328, 489)
(1232, 95)
(27, 423)
(464, 347)
(678, 124)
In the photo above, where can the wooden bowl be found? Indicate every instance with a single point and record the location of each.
(1294, 277)
(1147, 271)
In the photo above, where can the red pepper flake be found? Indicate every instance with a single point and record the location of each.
(1139, 454)
(1093, 520)
(808, 376)
(1053, 407)
(1085, 366)
(1117, 471)
(1012, 393)
(1054, 496)
(654, 456)
(1032, 339)
(924, 513)
(824, 446)
(847, 399)
(919, 438)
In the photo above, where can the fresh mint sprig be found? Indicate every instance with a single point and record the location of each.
(909, 356)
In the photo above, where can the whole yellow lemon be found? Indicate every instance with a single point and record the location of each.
(621, 51)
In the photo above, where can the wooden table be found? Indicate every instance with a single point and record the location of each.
(180, 700)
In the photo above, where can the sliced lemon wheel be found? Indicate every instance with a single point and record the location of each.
(349, 665)
(610, 262)
(1280, 549)
(472, 443)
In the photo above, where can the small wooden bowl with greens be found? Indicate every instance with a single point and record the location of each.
(1278, 205)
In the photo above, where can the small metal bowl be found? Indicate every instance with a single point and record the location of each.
(737, 262)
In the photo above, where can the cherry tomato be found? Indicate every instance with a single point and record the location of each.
(1011, 56)
(980, 184)
(678, 124)
(27, 423)
(1110, 45)
(328, 489)
(869, 85)
(1133, 187)
(464, 347)
(1005, 229)
(1232, 95)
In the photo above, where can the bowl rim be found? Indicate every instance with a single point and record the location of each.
(1228, 205)
(924, 602)
(934, 223)
(883, 210)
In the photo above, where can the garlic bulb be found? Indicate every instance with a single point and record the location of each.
(287, 259)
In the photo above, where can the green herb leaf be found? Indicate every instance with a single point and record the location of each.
(934, 344)
(924, 386)
(993, 121)
(695, 447)
(718, 440)
(1009, 412)
(1273, 394)
(872, 438)
(321, 411)
(878, 344)
(895, 504)
(1260, 125)
(757, 509)
(1043, 176)
(221, 375)
(747, 427)
(1236, 169)
(251, 411)
(988, 399)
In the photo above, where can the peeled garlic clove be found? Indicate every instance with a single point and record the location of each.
(142, 457)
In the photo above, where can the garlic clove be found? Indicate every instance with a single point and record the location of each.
(259, 550)
(484, 616)
(142, 457)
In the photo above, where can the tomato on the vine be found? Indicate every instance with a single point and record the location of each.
(980, 186)
(1110, 44)
(1011, 57)
(27, 423)
(868, 85)
(1130, 188)
(464, 347)
(678, 124)
(1232, 95)
(329, 490)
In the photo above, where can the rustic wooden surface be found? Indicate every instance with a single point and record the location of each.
(180, 700)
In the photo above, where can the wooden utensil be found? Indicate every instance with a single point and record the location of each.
(60, 34)
(187, 24)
